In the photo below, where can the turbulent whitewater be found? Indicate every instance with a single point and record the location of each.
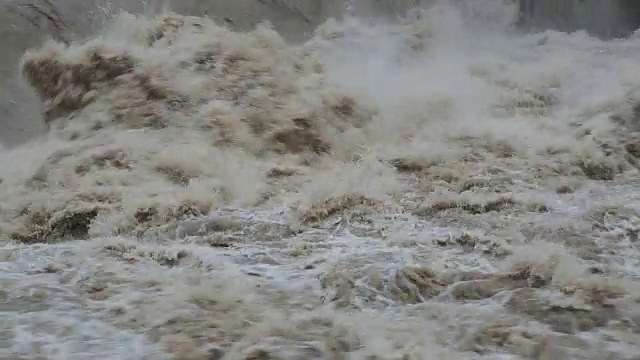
(440, 186)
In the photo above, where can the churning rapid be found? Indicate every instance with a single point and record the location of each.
(436, 187)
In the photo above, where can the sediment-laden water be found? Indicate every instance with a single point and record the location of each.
(438, 187)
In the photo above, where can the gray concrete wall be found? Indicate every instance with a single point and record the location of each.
(603, 18)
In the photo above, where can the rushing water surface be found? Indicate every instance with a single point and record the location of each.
(441, 186)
